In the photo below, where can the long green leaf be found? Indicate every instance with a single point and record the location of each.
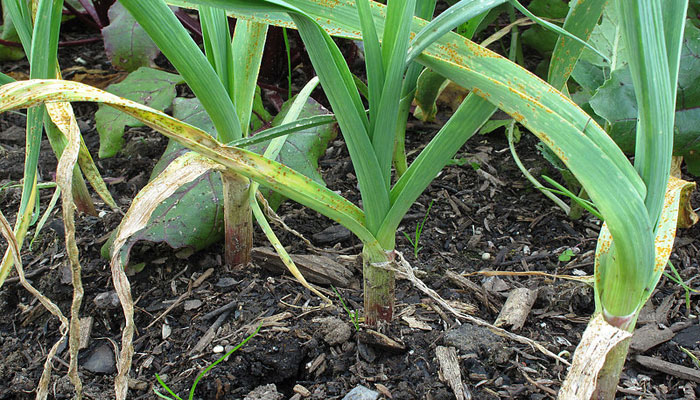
(217, 45)
(448, 20)
(247, 48)
(394, 46)
(642, 27)
(173, 40)
(340, 88)
(582, 17)
(373, 63)
(463, 124)
(285, 129)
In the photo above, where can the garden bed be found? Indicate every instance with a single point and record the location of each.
(484, 217)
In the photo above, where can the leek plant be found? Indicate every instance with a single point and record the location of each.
(630, 197)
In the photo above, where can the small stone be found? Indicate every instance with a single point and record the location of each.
(472, 339)
(225, 282)
(107, 300)
(335, 331)
(101, 360)
(304, 392)
(332, 234)
(486, 256)
(166, 331)
(192, 305)
(361, 393)
(218, 349)
(265, 392)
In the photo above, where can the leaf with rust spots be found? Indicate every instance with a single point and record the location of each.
(193, 215)
(148, 86)
(302, 149)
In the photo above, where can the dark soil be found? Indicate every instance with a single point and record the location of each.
(490, 219)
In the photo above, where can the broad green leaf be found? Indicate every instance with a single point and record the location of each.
(148, 86)
(127, 45)
(607, 39)
(189, 217)
(192, 215)
(301, 150)
(538, 37)
(9, 33)
(615, 101)
(589, 76)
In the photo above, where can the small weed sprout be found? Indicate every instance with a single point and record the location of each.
(354, 315)
(692, 356)
(676, 278)
(201, 374)
(419, 230)
(566, 255)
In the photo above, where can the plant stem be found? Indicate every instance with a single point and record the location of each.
(238, 220)
(609, 375)
(378, 274)
(576, 210)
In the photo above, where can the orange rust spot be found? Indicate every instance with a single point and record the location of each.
(328, 3)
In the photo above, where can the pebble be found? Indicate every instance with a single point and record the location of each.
(218, 349)
(361, 393)
(106, 300)
(265, 392)
(225, 282)
(301, 390)
(101, 360)
(335, 331)
(472, 339)
(192, 305)
(332, 234)
(166, 331)
(486, 256)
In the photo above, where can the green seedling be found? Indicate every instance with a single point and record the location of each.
(353, 314)
(201, 374)
(419, 231)
(676, 278)
(462, 161)
(566, 255)
(692, 356)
